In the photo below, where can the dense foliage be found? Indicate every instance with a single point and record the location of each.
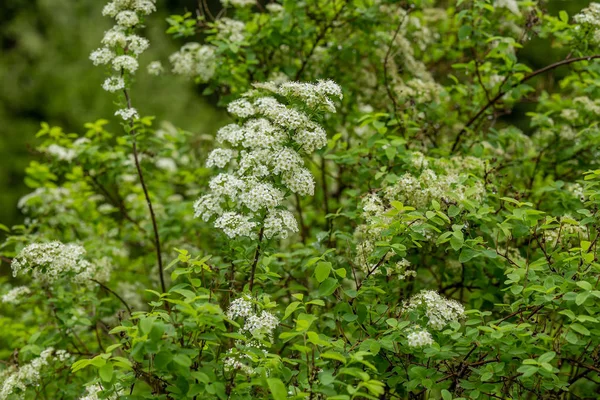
(368, 224)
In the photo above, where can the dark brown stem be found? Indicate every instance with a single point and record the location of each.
(303, 232)
(115, 202)
(385, 69)
(256, 257)
(103, 286)
(320, 37)
(523, 80)
(147, 195)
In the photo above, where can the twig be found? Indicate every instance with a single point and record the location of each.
(103, 286)
(148, 201)
(523, 80)
(256, 257)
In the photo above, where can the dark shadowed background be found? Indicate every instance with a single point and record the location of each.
(45, 75)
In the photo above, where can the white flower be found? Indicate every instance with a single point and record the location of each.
(49, 262)
(259, 195)
(511, 5)
(419, 338)
(167, 164)
(286, 159)
(589, 15)
(280, 223)
(127, 18)
(93, 392)
(207, 206)
(230, 30)
(274, 8)
(234, 224)
(300, 181)
(14, 296)
(137, 44)
(262, 133)
(220, 158)
(241, 307)
(226, 185)
(265, 162)
(127, 113)
(241, 108)
(194, 60)
(145, 7)
(115, 37)
(127, 63)
(110, 9)
(113, 84)
(25, 376)
(155, 68)
(102, 56)
(439, 310)
(238, 3)
(231, 133)
(263, 325)
(60, 152)
(312, 139)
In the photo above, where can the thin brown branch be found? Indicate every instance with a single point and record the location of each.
(501, 93)
(256, 257)
(147, 196)
(103, 286)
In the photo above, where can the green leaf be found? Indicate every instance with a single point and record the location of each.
(334, 356)
(464, 32)
(564, 17)
(328, 286)
(585, 285)
(341, 272)
(467, 254)
(580, 329)
(290, 309)
(446, 395)
(527, 370)
(581, 298)
(277, 388)
(182, 360)
(547, 357)
(106, 372)
(322, 271)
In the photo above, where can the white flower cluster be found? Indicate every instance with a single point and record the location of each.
(49, 262)
(28, 375)
(195, 61)
(510, 5)
(230, 30)
(438, 310)
(420, 191)
(265, 159)
(155, 68)
(121, 46)
(60, 152)
(419, 338)
(93, 392)
(589, 15)
(259, 326)
(15, 295)
(238, 3)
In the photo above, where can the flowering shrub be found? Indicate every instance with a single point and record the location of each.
(371, 223)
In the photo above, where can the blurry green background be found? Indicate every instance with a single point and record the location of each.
(45, 75)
